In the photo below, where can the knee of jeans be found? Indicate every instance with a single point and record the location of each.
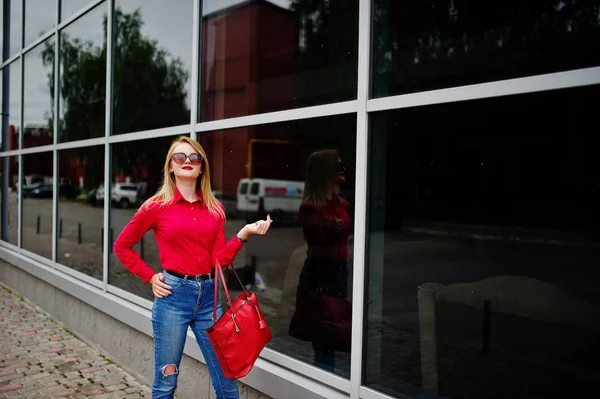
(169, 370)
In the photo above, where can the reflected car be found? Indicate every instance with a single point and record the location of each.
(45, 190)
(68, 191)
(40, 191)
(123, 194)
(145, 190)
(91, 196)
(229, 202)
(30, 188)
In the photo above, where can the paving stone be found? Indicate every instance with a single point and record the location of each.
(40, 360)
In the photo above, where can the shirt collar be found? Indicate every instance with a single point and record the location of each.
(177, 197)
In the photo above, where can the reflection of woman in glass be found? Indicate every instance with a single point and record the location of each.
(326, 225)
(188, 223)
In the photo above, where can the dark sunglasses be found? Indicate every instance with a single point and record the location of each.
(340, 166)
(180, 157)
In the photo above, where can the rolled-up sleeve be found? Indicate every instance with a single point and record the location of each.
(222, 252)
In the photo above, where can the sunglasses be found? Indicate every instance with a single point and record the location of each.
(180, 157)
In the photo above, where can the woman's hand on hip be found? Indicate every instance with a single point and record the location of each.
(258, 228)
(159, 289)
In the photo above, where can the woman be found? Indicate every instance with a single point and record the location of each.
(188, 223)
(322, 313)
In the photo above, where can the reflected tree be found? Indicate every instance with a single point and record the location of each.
(149, 90)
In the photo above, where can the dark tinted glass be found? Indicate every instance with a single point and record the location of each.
(37, 194)
(11, 86)
(40, 18)
(483, 248)
(306, 249)
(153, 58)
(2, 30)
(80, 215)
(9, 200)
(70, 7)
(262, 56)
(137, 163)
(12, 30)
(423, 45)
(38, 92)
(83, 77)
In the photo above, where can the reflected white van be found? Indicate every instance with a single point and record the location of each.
(280, 198)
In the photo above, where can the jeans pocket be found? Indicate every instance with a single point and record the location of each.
(173, 282)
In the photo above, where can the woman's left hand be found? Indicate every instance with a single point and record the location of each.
(259, 228)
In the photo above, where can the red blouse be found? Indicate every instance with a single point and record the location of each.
(190, 239)
(327, 229)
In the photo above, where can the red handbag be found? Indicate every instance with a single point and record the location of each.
(241, 332)
(322, 319)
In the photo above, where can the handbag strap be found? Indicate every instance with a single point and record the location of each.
(219, 276)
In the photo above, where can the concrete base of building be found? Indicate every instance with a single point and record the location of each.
(126, 346)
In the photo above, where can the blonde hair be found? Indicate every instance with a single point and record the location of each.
(166, 193)
(319, 182)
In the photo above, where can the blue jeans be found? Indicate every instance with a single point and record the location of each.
(190, 304)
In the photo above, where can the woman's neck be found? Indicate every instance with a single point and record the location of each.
(187, 189)
(333, 192)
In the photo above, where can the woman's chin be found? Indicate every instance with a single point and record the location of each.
(186, 176)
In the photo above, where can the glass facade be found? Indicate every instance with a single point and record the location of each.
(38, 94)
(261, 57)
(12, 11)
(40, 18)
(82, 74)
(474, 234)
(152, 64)
(456, 246)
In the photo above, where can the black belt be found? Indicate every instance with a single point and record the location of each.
(202, 277)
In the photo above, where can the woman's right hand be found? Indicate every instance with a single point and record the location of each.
(159, 289)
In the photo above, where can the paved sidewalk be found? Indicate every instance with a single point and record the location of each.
(40, 359)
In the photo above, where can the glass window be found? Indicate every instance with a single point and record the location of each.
(11, 84)
(2, 30)
(83, 77)
(136, 176)
(264, 56)
(70, 7)
(152, 71)
(483, 248)
(37, 192)
(13, 9)
(38, 92)
(307, 250)
(443, 43)
(9, 199)
(80, 215)
(40, 18)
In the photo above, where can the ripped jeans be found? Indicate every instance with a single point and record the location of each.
(190, 304)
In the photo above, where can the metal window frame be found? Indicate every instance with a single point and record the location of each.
(134, 311)
(107, 147)
(361, 196)
(507, 87)
(55, 133)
